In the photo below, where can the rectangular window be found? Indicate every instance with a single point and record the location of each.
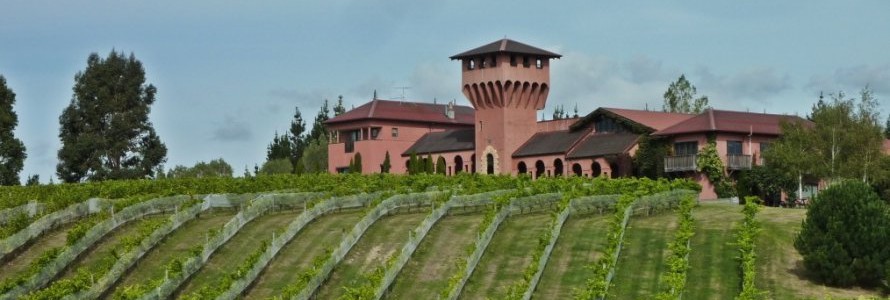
(734, 147)
(395, 132)
(605, 125)
(512, 60)
(494, 61)
(375, 131)
(471, 64)
(763, 147)
(539, 63)
(685, 148)
(525, 62)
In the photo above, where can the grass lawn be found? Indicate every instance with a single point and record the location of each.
(580, 243)
(506, 257)
(19, 261)
(713, 268)
(383, 239)
(780, 269)
(238, 248)
(176, 244)
(434, 261)
(643, 255)
(325, 232)
(102, 251)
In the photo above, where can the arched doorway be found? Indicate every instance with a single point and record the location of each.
(595, 169)
(615, 172)
(539, 169)
(522, 168)
(489, 164)
(557, 167)
(473, 163)
(458, 164)
(407, 166)
(576, 168)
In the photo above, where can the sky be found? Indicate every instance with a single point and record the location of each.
(229, 74)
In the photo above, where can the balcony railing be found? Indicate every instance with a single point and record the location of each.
(738, 162)
(679, 163)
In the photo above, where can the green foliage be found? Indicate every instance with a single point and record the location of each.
(319, 129)
(222, 284)
(765, 182)
(277, 166)
(844, 140)
(14, 224)
(80, 229)
(649, 160)
(215, 168)
(281, 147)
(414, 166)
(315, 158)
(43, 260)
(440, 166)
(680, 97)
(845, 237)
(709, 162)
(105, 131)
(428, 166)
(12, 150)
(355, 164)
(887, 128)
(746, 238)
(384, 168)
(673, 281)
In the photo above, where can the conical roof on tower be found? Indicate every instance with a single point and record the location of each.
(506, 46)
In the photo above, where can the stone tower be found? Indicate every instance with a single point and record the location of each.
(507, 82)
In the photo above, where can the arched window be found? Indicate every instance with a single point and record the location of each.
(458, 164)
(471, 64)
(576, 168)
(539, 169)
(522, 168)
(489, 161)
(595, 169)
(557, 167)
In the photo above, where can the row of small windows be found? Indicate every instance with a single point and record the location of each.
(732, 148)
(491, 62)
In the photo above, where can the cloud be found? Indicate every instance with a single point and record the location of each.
(757, 83)
(877, 77)
(232, 130)
(435, 81)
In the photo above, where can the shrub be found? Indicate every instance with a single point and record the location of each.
(845, 239)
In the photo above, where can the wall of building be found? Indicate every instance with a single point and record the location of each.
(466, 159)
(555, 125)
(374, 150)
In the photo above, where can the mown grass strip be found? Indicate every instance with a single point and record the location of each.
(713, 269)
(673, 281)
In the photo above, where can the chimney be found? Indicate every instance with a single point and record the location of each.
(449, 110)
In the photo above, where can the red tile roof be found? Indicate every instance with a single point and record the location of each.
(656, 120)
(731, 121)
(406, 111)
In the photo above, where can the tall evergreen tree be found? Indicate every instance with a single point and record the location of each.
(357, 163)
(12, 150)
(440, 165)
(280, 148)
(384, 168)
(429, 166)
(887, 128)
(339, 109)
(680, 97)
(105, 131)
(297, 140)
(318, 127)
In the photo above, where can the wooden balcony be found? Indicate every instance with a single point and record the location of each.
(738, 162)
(680, 163)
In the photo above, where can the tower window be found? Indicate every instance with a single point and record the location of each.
(395, 132)
(482, 62)
(512, 60)
(471, 64)
(539, 63)
(493, 61)
(525, 62)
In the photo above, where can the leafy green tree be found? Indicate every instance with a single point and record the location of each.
(680, 97)
(845, 237)
(384, 168)
(12, 150)
(105, 131)
(276, 166)
(440, 165)
(765, 182)
(33, 180)
(649, 161)
(887, 128)
(315, 158)
(844, 141)
(214, 168)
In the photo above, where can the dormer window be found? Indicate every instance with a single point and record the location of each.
(471, 64)
(539, 63)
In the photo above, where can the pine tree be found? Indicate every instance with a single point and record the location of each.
(318, 127)
(887, 128)
(413, 164)
(280, 148)
(12, 150)
(339, 109)
(297, 140)
(428, 166)
(105, 131)
(384, 168)
(357, 167)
